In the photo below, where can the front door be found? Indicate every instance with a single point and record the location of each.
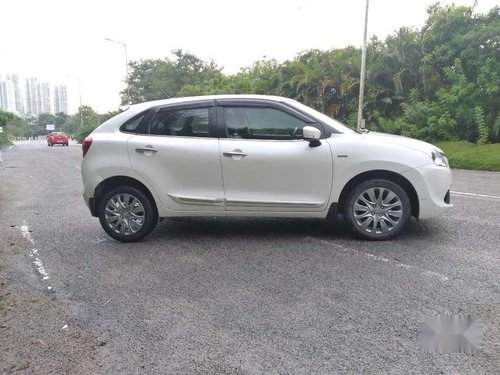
(267, 166)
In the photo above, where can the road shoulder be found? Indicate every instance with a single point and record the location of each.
(37, 332)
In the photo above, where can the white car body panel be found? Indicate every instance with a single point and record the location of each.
(185, 172)
(431, 185)
(354, 155)
(276, 175)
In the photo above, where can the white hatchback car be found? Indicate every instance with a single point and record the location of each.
(236, 155)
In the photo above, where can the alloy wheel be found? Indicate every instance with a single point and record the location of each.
(377, 210)
(124, 214)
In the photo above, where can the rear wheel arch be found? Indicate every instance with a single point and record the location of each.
(113, 182)
(381, 174)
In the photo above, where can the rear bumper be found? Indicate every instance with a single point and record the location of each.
(90, 182)
(93, 207)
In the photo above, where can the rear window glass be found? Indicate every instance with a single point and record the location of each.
(192, 122)
(133, 125)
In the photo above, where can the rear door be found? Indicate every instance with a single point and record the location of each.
(179, 156)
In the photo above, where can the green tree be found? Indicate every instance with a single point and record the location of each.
(5, 117)
(426, 83)
(60, 118)
(45, 119)
(17, 127)
(165, 78)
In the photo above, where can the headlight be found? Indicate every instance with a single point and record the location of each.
(439, 159)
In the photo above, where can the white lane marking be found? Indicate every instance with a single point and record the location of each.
(382, 259)
(26, 233)
(438, 275)
(475, 195)
(100, 240)
(35, 254)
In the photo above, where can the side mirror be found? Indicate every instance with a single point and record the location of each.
(312, 135)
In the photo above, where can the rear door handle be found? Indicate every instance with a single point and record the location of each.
(146, 149)
(234, 153)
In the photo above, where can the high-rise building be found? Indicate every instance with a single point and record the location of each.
(32, 101)
(18, 94)
(60, 99)
(33, 98)
(46, 105)
(11, 98)
(7, 101)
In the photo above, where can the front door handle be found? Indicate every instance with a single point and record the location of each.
(234, 153)
(146, 149)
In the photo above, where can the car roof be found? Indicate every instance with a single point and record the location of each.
(191, 99)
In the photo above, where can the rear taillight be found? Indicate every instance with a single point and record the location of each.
(87, 142)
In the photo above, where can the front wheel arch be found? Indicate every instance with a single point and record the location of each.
(386, 175)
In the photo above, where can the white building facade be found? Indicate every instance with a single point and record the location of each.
(33, 97)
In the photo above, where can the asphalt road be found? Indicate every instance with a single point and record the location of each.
(235, 296)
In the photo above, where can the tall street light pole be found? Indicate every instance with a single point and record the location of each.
(80, 91)
(361, 124)
(126, 62)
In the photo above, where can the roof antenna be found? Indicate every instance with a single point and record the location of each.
(168, 96)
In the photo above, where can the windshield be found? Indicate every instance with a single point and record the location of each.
(320, 116)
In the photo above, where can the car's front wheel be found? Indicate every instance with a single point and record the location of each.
(377, 209)
(127, 214)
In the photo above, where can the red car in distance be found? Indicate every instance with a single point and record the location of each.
(57, 138)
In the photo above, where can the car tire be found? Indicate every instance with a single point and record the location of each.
(127, 214)
(377, 209)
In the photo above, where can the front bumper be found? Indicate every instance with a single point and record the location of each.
(432, 184)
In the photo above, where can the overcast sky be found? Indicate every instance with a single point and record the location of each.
(63, 41)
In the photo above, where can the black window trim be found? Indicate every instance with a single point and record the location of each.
(216, 125)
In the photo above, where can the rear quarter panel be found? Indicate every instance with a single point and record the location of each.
(108, 157)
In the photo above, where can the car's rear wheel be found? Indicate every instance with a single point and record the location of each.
(377, 209)
(127, 214)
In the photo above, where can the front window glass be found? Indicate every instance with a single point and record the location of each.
(261, 123)
(181, 123)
